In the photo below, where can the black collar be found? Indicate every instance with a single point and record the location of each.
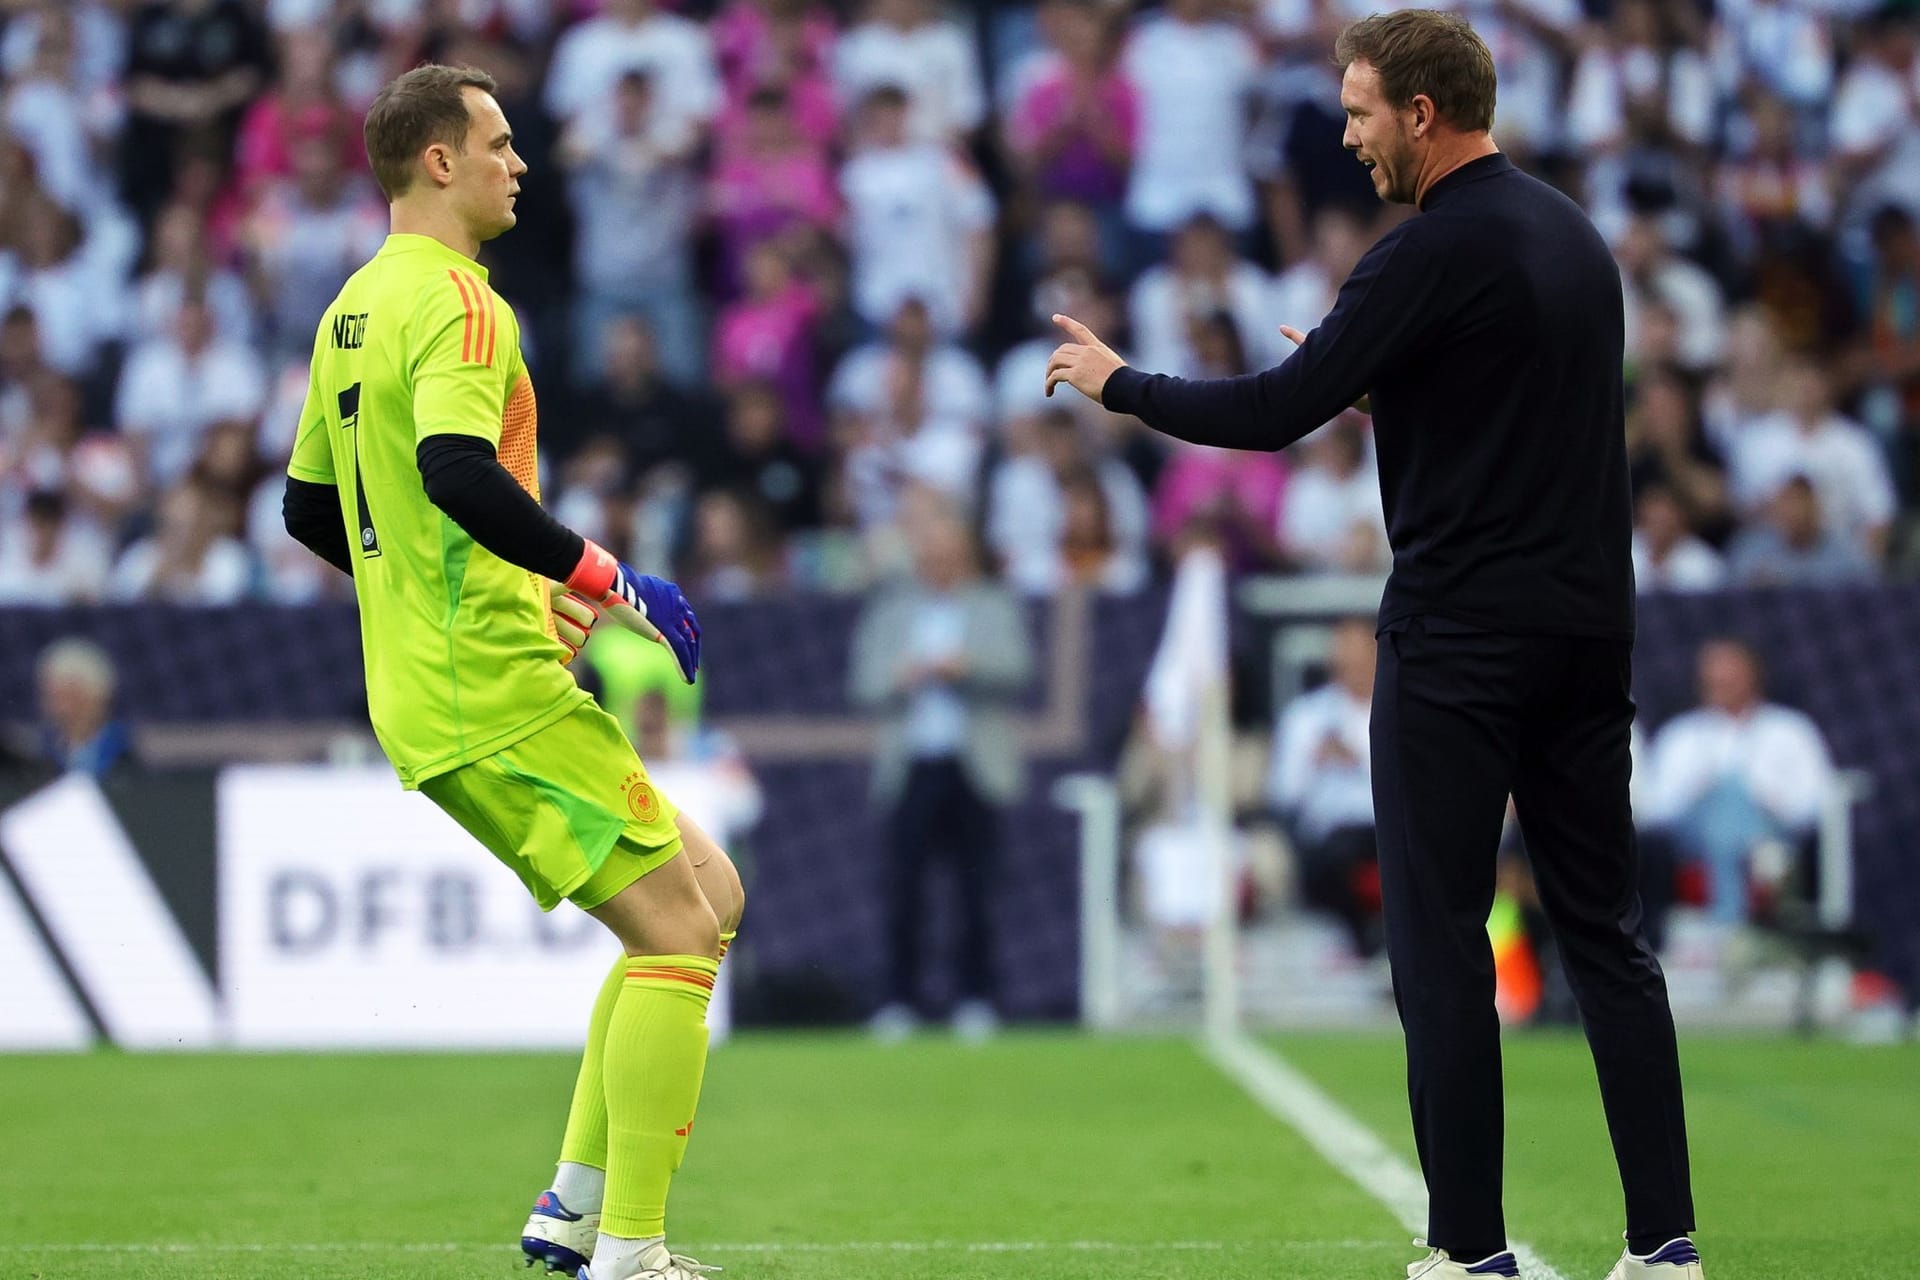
(1472, 171)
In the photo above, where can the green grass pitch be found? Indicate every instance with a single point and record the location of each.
(1041, 1155)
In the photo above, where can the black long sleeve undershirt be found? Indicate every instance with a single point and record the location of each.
(464, 478)
(312, 516)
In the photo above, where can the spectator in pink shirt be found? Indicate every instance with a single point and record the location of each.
(1072, 128)
(761, 42)
(769, 178)
(302, 104)
(764, 337)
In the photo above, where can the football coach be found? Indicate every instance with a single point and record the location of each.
(1487, 333)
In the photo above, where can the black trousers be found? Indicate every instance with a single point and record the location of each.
(939, 812)
(1461, 719)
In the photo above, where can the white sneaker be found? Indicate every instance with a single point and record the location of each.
(657, 1264)
(974, 1021)
(1677, 1259)
(1440, 1265)
(893, 1023)
(558, 1237)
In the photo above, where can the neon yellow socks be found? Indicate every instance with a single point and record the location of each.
(652, 1062)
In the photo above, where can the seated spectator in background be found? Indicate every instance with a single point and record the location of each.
(636, 198)
(1667, 445)
(1733, 773)
(78, 730)
(1202, 277)
(675, 53)
(1772, 187)
(179, 265)
(1667, 554)
(1792, 547)
(1303, 294)
(767, 180)
(1746, 387)
(56, 451)
(1093, 556)
(1870, 125)
(48, 557)
(55, 276)
(1651, 272)
(1887, 297)
(1321, 782)
(175, 388)
(1333, 520)
(1195, 69)
(1020, 378)
(760, 458)
(1073, 126)
(300, 105)
(869, 381)
(919, 221)
(1044, 526)
(657, 419)
(942, 658)
(306, 235)
(909, 45)
(735, 551)
(766, 336)
(191, 557)
(1807, 437)
(57, 115)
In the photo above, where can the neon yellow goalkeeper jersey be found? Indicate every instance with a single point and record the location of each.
(461, 659)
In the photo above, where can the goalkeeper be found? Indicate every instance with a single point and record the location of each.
(414, 471)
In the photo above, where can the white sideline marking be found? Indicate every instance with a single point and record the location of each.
(773, 1246)
(1342, 1141)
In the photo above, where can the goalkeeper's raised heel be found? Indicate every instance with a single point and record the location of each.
(558, 1238)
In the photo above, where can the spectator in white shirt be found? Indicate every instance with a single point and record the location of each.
(1059, 513)
(1303, 294)
(1201, 278)
(183, 264)
(1652, 272)
(306, 235)
(1874, 105)
(1806, 437)
(48, 557)
(1639, 67)
(175, 388)
(1321, 782)
(905, 43)
(1782, 44)
(634, 35)
(1733, 773)
(954, 383)
(1332, 520)
(1195, 71)
(919, 221)
(1667, 554)
(191, 557)
(1793, 546)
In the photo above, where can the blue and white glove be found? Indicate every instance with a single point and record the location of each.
(642, 603)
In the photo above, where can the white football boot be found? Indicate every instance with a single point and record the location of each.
(657, 1264)
(1677, 1259)
(1439, 1265)
(558, 1237)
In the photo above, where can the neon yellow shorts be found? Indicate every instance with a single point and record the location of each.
(569, 808)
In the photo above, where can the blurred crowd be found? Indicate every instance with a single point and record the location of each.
(781, 264)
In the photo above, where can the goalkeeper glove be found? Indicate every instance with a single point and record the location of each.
(642, 603)
(573, 619)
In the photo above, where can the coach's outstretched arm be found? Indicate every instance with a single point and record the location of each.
(1385, 310)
